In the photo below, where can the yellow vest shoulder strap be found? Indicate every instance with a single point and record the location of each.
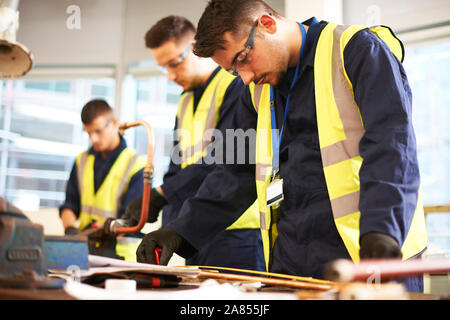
(387, 35)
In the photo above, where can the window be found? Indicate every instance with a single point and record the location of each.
(156, 102)
(426, 65)
(40, 136)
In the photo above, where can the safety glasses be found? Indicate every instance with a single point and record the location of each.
(178, 60)
(241, 58)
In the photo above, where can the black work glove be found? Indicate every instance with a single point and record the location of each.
(111, 223)
(375, 245)
(133, 211)
(71, 231)
(169, 241)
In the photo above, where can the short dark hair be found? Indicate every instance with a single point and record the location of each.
(94, 109)
(169, 28)
(221, 16)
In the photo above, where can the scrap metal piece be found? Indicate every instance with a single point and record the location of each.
(364, 291)
(342, 270)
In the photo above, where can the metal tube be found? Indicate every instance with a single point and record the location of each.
(345, 270)
(148, 176)
(270, 281)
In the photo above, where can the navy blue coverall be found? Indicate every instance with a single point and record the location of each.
(102, 165)
(307, 236)
(238, 248)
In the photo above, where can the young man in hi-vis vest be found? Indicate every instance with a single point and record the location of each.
(103, 181)
(206, 110)
(336, 168)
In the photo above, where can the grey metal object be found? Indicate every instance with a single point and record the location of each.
(15, 59)
(21, 243)
(62, 252)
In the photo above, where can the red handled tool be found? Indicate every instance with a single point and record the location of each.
(157, 254)
(152, 281)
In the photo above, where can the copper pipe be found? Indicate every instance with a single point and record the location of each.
(148, 176)
(264, 273)
(270, 281)
(345, 270)
(435, 209)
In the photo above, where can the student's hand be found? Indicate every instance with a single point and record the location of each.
(375, 245)
(111, 224)
(132, 214)
(71, 231)
(168, 240)
(133, 211)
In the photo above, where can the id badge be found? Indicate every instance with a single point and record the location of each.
(274, 192)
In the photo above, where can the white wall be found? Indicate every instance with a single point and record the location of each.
(111, 31)
(413, 21)
(44, 31)
(141, 15)
(398, 14)
(328, 10)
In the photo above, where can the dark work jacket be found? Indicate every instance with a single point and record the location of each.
(102, 165)
(238, 248)
(307, 236)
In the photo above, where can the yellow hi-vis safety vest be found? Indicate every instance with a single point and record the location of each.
(106, 202)
(195, 133)
(340, 129)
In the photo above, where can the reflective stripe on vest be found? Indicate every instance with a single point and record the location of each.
(106, 202)
(340, 129)
(196, 128)
(261, 100)
(195, 132)
(127, 246)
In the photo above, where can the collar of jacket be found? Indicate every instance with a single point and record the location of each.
(110, 155)
(307, 59)
(198, 92)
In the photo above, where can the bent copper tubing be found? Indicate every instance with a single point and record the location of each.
(269, 281)
(148, 177)
(343, 270)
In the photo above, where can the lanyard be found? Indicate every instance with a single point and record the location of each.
(276, 140)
